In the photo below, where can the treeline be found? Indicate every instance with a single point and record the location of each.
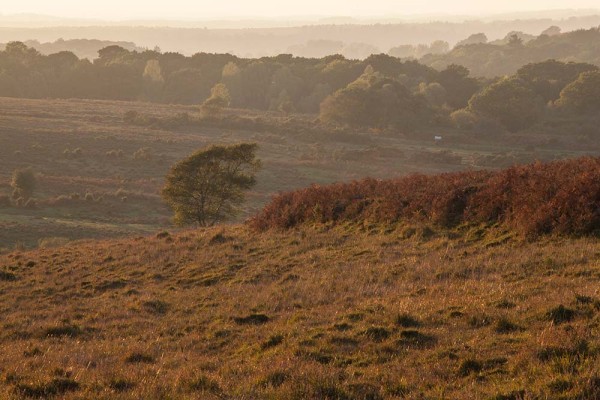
(505, 57)
(562, 197)
(270, 83)
(381, 91)
(82, 48)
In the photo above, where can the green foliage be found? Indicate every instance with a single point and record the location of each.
(583, 95)
(208, 186)
(459, 86)
(373, 100)
(23, 183)
(548, 78)
(510, 102)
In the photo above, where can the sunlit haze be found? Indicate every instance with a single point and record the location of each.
(206, 9)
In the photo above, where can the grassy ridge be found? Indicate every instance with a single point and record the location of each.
(558, 197)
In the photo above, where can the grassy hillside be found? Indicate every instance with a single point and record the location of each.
(100, 174)
(355, 311)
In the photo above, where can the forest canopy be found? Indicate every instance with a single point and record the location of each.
(381, 91)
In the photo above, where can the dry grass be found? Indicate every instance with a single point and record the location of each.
(346, 312)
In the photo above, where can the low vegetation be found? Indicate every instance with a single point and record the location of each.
(560, 197)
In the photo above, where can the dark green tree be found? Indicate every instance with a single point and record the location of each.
(549, 78)
(459, 86)
(375, 101)
(510, 102)
(208, 186)
(583, 95)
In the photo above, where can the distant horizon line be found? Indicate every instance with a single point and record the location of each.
(416, 17)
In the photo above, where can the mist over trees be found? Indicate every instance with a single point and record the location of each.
(316, 38)
(505, 57)
(381, 91)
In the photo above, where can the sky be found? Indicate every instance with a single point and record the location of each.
(227, 9)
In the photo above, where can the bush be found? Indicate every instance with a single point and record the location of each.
(560, 314)
(23, 183)
(139, 358)
(560, 197)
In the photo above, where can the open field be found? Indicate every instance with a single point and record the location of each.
(100, 176)
(351, 312)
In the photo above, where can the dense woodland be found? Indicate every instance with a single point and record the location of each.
(82, 48)
(504, 57)
(382, 91)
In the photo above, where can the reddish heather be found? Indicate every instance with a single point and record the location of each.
(558, 197)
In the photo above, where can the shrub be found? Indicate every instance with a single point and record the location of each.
(560, 314)
(139, 358)
(414, 338)
(156, 307)
(64, 331)
(559, 197)
(6, 276)
(121, 385)
(503, 325)
(273, 341)
(407, 321)
(469, 366)
(23, 182)
(56, 387)
(252, 319)
(377, 334)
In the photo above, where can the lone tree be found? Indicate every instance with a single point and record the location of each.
(218, 100)
(209, 185)
(23, 183)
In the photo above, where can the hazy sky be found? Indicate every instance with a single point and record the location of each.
(206, 9)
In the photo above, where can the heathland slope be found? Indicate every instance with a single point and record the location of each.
(352, 308)
(353, 312)
(99, 174)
